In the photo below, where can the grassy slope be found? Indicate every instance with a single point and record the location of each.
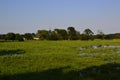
(58, 60)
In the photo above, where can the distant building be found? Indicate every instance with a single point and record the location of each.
(35, 38)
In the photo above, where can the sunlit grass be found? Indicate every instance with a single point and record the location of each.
(39, 56)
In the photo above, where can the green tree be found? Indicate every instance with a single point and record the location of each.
(18, 37)
(54, 36)
(10, 36)
(62, 34)
(72, 33)
(88, 35)
(85, 37)
(88, 32)
(2, 37)
(78, 35)
(100, 35)
(28, 36)
(109, 36)
(43, 34)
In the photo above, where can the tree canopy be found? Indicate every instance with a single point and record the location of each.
(59, 34)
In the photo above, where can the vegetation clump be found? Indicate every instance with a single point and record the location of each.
(59, 34)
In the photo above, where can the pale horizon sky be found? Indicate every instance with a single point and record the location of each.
(28, 16)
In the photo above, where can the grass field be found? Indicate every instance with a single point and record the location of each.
(60, 60)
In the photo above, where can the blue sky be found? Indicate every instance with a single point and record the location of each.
(21, 16)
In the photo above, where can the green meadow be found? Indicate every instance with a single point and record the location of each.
(60, 60)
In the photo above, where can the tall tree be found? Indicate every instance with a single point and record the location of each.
(28, 36)
(18, 37)
(62, 34)
(88, 34)
(53, 35)
(72, 33)
(43, 34)
(10, 36)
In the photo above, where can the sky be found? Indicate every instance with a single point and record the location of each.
(28, 16)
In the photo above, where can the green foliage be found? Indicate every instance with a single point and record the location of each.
(10, 36)
(72, 33)
(54, 36)
(18, 37)
(62, 34)
(109, 36)
(88, 32)
(28, 36)
(43, 34)
(100, 35)
(59, 34)
(84, 37)
(87, 35)
(2, 37)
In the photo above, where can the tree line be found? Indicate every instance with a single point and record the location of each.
(59, 34)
